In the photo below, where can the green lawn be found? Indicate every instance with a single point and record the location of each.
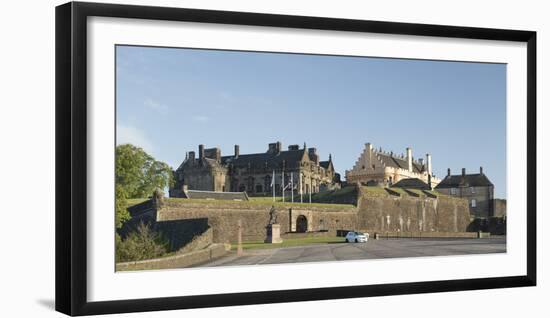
(262, 201)
(289, 242)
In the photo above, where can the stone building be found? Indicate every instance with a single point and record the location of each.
(477, 188)
(299, 169)
(378, 167)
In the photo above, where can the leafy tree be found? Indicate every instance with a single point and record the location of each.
(138, 173)
(122, 214)
(143, 243)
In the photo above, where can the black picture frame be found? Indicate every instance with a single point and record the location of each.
(71, 157)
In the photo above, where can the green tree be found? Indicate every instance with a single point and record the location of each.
(142, 243)
(138, 173)
(122, 214)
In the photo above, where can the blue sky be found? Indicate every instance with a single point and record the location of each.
(171, 100)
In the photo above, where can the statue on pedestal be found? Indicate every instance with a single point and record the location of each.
(272, 215)
(273, 229)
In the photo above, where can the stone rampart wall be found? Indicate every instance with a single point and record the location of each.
(182, 219)
(411, 214)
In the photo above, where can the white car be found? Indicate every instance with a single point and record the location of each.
(357, 237)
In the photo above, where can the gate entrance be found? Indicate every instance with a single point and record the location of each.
(301, 224)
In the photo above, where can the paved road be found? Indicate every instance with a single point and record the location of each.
(371, 250)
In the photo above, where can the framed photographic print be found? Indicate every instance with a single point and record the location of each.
(214, 158)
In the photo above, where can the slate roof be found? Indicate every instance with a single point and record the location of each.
(411, 183)
(214, 195)
(324, 164)
(469, 180)
(290, 157)
(391, 161)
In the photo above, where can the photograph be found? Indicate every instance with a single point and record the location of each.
(247, 158)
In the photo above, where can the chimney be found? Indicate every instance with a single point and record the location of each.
(236, 151)
(409, 159)
(213, 153)
(201, 152)
(448, 172)
(463, 172)
(480, 170)
(192, 156)
(429, 163)
(293, 147)
(275, 147)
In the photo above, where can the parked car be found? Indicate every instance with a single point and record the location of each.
(357, 237)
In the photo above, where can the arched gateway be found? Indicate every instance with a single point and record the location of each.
(301, 224)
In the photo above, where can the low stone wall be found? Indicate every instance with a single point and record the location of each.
(199, 242)
(493, 225)
(176, 261)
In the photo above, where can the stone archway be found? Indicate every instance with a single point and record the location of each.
(301, 224)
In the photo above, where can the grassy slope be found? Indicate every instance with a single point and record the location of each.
(260, 202)
(289, 242)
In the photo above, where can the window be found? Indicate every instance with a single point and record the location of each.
(472, 190)
(474, 203)
(453, 191)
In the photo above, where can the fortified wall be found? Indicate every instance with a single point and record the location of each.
(223, 217)
(376, 210)
(411, 211)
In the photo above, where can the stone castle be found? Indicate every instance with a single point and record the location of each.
(377, 167)
(275, 171)
(298, 170)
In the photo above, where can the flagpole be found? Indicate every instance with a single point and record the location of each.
(301, 188)
(310, 188)
(292, 187)
(283, 183)
(273, 185)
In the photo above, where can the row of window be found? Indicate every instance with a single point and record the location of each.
(454, 191)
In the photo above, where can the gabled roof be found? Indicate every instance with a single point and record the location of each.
(391, 161)
(325, 164)
(468, 180)
(411, 183)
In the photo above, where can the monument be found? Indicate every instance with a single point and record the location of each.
(273, 229)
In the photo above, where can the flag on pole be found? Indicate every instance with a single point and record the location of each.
(273, 185)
